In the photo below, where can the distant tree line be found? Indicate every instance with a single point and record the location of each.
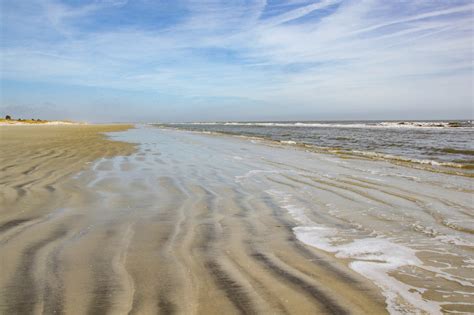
(8, 117)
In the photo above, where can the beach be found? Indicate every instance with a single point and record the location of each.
(123, 219)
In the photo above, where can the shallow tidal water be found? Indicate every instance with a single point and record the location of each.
(198, 223)
(396, 226)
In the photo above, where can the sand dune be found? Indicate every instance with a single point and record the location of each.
(199, 224)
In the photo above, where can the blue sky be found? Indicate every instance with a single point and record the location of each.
(154, 60)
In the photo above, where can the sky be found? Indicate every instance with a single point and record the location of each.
(211, 60)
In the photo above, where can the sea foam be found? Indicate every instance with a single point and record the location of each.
(373, 257)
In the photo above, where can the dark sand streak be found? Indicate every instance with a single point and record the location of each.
(12, 224)
(230, 286)
(233, 290)
(105, 281)
(22, 293)
(321, 298)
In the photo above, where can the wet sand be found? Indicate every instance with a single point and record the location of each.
(200, 224)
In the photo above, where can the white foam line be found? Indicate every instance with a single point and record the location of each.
(372, 257)
(388, 124)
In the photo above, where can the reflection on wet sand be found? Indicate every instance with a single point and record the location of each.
(194, 223)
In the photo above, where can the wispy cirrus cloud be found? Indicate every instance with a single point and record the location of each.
(283, 57)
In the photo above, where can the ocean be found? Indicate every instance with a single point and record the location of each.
(439, 143)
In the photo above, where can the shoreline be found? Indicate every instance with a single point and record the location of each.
(114, 218)
(449, 168)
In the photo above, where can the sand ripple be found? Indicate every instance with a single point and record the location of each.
(205, 224)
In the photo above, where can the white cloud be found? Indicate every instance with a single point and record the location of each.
(352, 54)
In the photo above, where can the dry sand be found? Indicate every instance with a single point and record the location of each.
(36, 160)
(186, 224)
(37, 164)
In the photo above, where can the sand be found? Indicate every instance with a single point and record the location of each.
(35, 160)
(197, 224)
